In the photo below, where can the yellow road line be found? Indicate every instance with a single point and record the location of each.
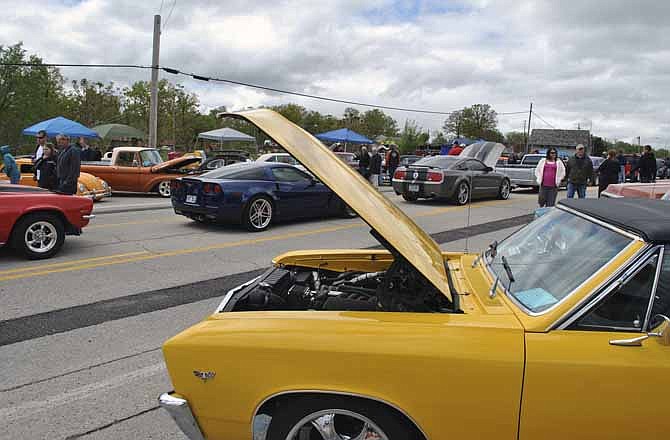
(70, 263)
(91, 263)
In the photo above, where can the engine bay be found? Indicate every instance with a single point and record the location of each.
(400, 288)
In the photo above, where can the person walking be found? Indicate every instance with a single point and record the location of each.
(364, 162)
(85, 151)
(609, 171)
(647, 165)
(375, 167)
(41, 142)
(68, 165)
(579, 171)
(393, 161)
(549, 173)
(622, 166)
(11, 169)
(45, 169)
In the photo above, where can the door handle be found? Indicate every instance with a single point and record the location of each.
(632, 342)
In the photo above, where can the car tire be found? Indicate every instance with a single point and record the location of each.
(462, 194)
(505, 189)
(258, 214)
(347, 212)
(163, 189)
(410, 197)
(38, 236)
(339, 417)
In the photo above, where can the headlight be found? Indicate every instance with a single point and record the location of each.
(82, 188)
(104, 184)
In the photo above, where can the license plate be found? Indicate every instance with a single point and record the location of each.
(191, 199)
(413, 188)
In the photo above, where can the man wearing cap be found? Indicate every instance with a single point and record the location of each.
(41, 142)
(579, 170)
(68, 165)
(455, 149)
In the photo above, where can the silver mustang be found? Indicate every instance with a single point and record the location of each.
(459, 178)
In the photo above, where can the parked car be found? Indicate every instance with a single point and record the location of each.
(87, 186)
(637, 190)
(408, 159)
(255, 195)
(534, 338)
(457, 178)
(222, 158)
(348, 158)
(280, 158)
(35, 221)
(662, 171)
(138, 169)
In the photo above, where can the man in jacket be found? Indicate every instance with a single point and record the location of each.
(68, 165)
(622, 166)
(11, 169)
(647, 165)
(41, 142)
(375, 167)
(579, 170)
(392, 160)
(364, 162)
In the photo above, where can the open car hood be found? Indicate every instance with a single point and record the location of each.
(176, 163)
(391, 223)
(487, 152)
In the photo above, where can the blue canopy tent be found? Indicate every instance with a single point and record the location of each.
(60, 125)
(344, 135)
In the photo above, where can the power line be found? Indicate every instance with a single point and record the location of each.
(169, 15)
(250, 85)
(542, 119)
(161, 9)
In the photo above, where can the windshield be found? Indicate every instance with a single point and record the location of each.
(553, 255)
(150, 158)
(437, 161)
(531, 160)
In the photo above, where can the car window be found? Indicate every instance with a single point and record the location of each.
(626, 307)
(125, 158)
(286, 174)
(461, 166)
(531, 160)
(26, 168)
(150, 158)
(475, 165)
(216, 163)
(662, 295)
(286, 159)
(238, 171)
(437, 161)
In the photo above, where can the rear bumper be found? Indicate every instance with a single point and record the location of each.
(218, 214)
(179, 410)
(426, 189)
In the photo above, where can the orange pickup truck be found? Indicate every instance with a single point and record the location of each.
(138, 169)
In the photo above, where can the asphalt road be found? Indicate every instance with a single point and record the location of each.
(80, 334)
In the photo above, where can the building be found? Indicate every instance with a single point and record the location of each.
(562, 140)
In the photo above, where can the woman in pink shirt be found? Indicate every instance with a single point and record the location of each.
(549, 173)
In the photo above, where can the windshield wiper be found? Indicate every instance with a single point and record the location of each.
(490, 252)
(508, 271)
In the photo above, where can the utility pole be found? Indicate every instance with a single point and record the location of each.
(530, 115)
(153, 110)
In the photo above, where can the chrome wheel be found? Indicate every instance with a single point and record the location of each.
(260, 213)
(40, 237)
(505, 190)
(164, 188)
(463, 194)
(336, 424)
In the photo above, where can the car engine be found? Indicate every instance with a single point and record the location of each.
(400, 288)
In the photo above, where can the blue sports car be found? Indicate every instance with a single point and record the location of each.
(255, 195)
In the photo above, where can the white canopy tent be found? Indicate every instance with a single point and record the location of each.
(225, 135)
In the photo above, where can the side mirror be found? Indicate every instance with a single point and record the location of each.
(488, 169)
(136, 163)
(662, 332)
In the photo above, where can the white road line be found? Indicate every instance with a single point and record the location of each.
(36, 406)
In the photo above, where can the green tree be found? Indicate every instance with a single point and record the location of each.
(662, 152)
(599, 146)
(439, 139)
(293, 112)
(352, 119)
(516, 140)
(477, 121)
(27, 94)
(93, 103)
(411, 137)
(375, 122)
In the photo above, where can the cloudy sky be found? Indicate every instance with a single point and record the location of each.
(603, 64)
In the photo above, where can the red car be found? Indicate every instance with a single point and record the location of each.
(35, 221)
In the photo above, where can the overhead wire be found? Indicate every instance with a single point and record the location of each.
(250, 85)
(167, 20)
(542, 119)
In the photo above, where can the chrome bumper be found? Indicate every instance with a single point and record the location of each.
(181, 413)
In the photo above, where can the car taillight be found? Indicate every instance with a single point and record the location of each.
(399, 174)
(434, 176)
(217, 189)
(206, 188)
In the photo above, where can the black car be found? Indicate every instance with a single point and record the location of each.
(457, 178)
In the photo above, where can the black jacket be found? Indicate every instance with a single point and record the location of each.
(67, 170)
(609, 172)
(45, 172)
(647, 166)
(579, 170)
(394, 160)
(376, 164)
(364, 160)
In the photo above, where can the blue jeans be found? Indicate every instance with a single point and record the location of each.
(581, 191)
(622, 174)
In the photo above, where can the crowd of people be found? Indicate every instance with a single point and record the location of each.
(57, 167)
(579, 171)
(370, 163)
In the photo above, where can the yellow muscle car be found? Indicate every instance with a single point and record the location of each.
(88, 185)
(561, 331)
